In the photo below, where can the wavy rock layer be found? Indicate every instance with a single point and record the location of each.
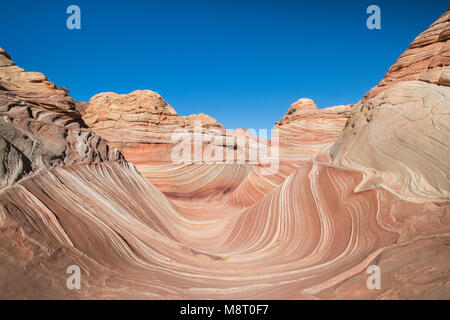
(398, 135)
(379, 195)
(40, 127)
(400, 140)
(308, 235)
(430, 51)
(142, 124)
(305, 130)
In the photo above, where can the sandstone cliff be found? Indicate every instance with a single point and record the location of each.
(378, 195)
(40, 127)
(430, 51)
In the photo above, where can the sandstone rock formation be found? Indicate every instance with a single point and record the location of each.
(400, 140)
(398, 135)
(144, 127)
(429, 51)
(40, 127)
(355, 186)
(305, 130)
(140, 116)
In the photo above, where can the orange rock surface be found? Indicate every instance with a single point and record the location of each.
(429, 51)
(354, 186)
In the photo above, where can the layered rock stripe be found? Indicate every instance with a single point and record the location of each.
(357, 185)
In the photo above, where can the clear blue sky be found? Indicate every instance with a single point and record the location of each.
(242, 62)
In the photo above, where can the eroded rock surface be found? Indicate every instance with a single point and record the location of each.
(40, 127)
(378, 195)
(400, 139)
(430, 51)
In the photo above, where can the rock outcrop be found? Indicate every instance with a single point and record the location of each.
(430, 51)
(354, 186)
(306, 129)
(400, 140)
(40, 127)
(143, 125)
(398, 136)
(141, 116)
(149, 132)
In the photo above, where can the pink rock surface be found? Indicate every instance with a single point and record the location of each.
(141, 121)
(40, 127)
(305, 130)
(356, 186)
(429, 51)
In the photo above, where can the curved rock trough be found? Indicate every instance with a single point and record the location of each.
(93, 184)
